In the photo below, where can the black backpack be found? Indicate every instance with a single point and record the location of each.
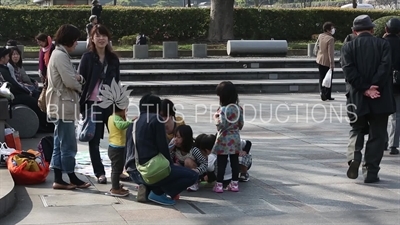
(141, 40)
(45, 147)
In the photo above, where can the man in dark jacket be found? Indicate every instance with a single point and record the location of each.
(96, 10)
(392, 32)
(366, 63)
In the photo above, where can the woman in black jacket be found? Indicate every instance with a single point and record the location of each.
(21, 94)
(99, 66)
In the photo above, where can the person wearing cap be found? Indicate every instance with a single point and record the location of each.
(89, 26)
(367, 67)
(325, 58)
(96, 10)
(392, 31)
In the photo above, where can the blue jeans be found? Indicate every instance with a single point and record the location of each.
(178, 180)
(136, 177)
(65, 146)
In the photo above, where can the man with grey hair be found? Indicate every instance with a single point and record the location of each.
(366, 63)
(89, 27)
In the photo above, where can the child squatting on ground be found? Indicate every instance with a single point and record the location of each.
(117, 125)
(206, 142)
(184, 153)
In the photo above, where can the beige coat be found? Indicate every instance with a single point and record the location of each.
(326, 50)
(62, 95)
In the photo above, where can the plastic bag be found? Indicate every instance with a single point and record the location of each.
(12, 138)
(327, 82)
(25, 168)
(5, 152)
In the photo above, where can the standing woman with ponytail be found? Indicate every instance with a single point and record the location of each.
(46, 48)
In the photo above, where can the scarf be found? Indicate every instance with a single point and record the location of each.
(46, 51)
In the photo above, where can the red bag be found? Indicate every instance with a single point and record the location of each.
(12, 138)
(20, 165)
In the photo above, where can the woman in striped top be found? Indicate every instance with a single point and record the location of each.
(185, 154)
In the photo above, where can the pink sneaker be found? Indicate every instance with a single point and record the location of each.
(218, 188)
(233, 186)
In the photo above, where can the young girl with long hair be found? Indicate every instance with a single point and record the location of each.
(185, 154)
(229, 121)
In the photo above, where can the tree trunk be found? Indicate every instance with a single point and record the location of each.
(256, 3)
(221, 21)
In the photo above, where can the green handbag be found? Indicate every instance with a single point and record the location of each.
(154, 170)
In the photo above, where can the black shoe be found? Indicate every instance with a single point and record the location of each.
(352, 172)
(394, 151)
(331, 99)
(371, 179)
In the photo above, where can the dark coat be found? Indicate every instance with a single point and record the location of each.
(394, 42)
(90, 68)
(16, 88)
(96, 10)
(366, 61)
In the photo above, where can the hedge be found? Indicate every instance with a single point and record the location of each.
(182, 24)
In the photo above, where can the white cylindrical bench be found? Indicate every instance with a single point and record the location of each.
(170, 49)
(256, 47)
(310, 50)
(199, 50)
(24, 120)
(140, 51)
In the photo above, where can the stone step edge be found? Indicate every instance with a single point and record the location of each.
(212, 71)
(202, 60)
(8, 193)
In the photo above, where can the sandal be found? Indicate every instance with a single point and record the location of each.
(83, 186)
(102, 179)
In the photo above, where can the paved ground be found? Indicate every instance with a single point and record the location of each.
(298, 175)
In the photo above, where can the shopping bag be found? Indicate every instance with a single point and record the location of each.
(12, 138)
(5, 152)
(327, 82)
(25, 168)
(86, 126)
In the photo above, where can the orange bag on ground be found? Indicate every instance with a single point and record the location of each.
(27, 167)
(12, 138)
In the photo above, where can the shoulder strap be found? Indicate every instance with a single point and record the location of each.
(134, 140)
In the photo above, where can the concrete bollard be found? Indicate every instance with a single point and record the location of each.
(199, 50)
(170, 49)
(310, 50)
(140, 51)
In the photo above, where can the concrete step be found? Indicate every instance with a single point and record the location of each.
(7, 192)
(218, 74)
(180, 87)
(208, 63)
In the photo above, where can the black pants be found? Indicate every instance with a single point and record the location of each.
(377, 124)
(116, 156)
(222, 160)
(94, 145)
(325, 92)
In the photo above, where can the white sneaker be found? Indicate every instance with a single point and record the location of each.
(194, 187)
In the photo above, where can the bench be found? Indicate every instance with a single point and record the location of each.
(257, 47)
(24, 120)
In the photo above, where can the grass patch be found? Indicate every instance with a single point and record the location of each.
(158, 47)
